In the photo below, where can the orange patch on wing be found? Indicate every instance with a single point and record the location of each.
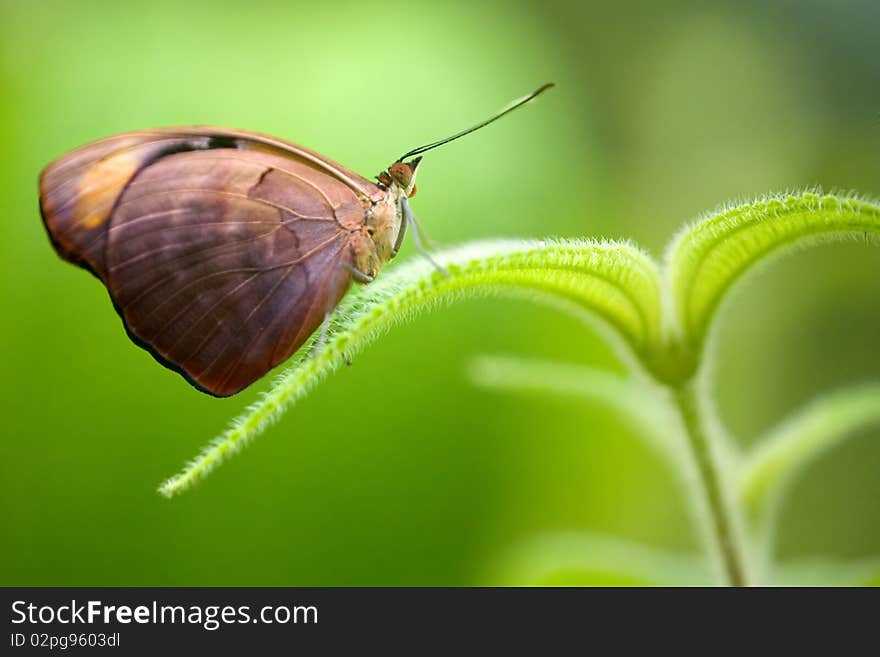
(100, 186)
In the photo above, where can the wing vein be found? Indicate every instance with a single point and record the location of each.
(217, 325)
(224, 272)
(213, 249)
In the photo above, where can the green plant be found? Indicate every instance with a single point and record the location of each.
(661, 320)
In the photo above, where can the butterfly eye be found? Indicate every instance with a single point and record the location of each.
(401, 173)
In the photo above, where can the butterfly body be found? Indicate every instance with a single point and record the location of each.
(221, 249)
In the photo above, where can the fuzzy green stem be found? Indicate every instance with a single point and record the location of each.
(725, 535)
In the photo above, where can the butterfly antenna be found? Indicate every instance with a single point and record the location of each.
(519, 102)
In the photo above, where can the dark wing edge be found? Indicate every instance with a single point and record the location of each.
(341, 287)
(157, 355)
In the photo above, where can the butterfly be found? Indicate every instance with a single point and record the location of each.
(224, 250)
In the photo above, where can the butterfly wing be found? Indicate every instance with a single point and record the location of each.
(79, 190)
(220, 251)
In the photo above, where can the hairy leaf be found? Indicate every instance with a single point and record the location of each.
(614, 282)
(708, 257)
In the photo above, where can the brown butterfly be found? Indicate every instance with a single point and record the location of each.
(223, 250)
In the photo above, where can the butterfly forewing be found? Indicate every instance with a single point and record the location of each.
(220, 251)
(79, 190)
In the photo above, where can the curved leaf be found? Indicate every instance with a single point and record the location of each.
(612, 281)
(711, 255)
(776, 459)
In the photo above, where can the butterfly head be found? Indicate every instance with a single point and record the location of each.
(403, 174)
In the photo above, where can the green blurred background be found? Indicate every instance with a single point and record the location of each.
(662, 111)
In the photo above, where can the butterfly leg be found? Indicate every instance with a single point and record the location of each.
(359, 276)
(418, 234)
(422, 234)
